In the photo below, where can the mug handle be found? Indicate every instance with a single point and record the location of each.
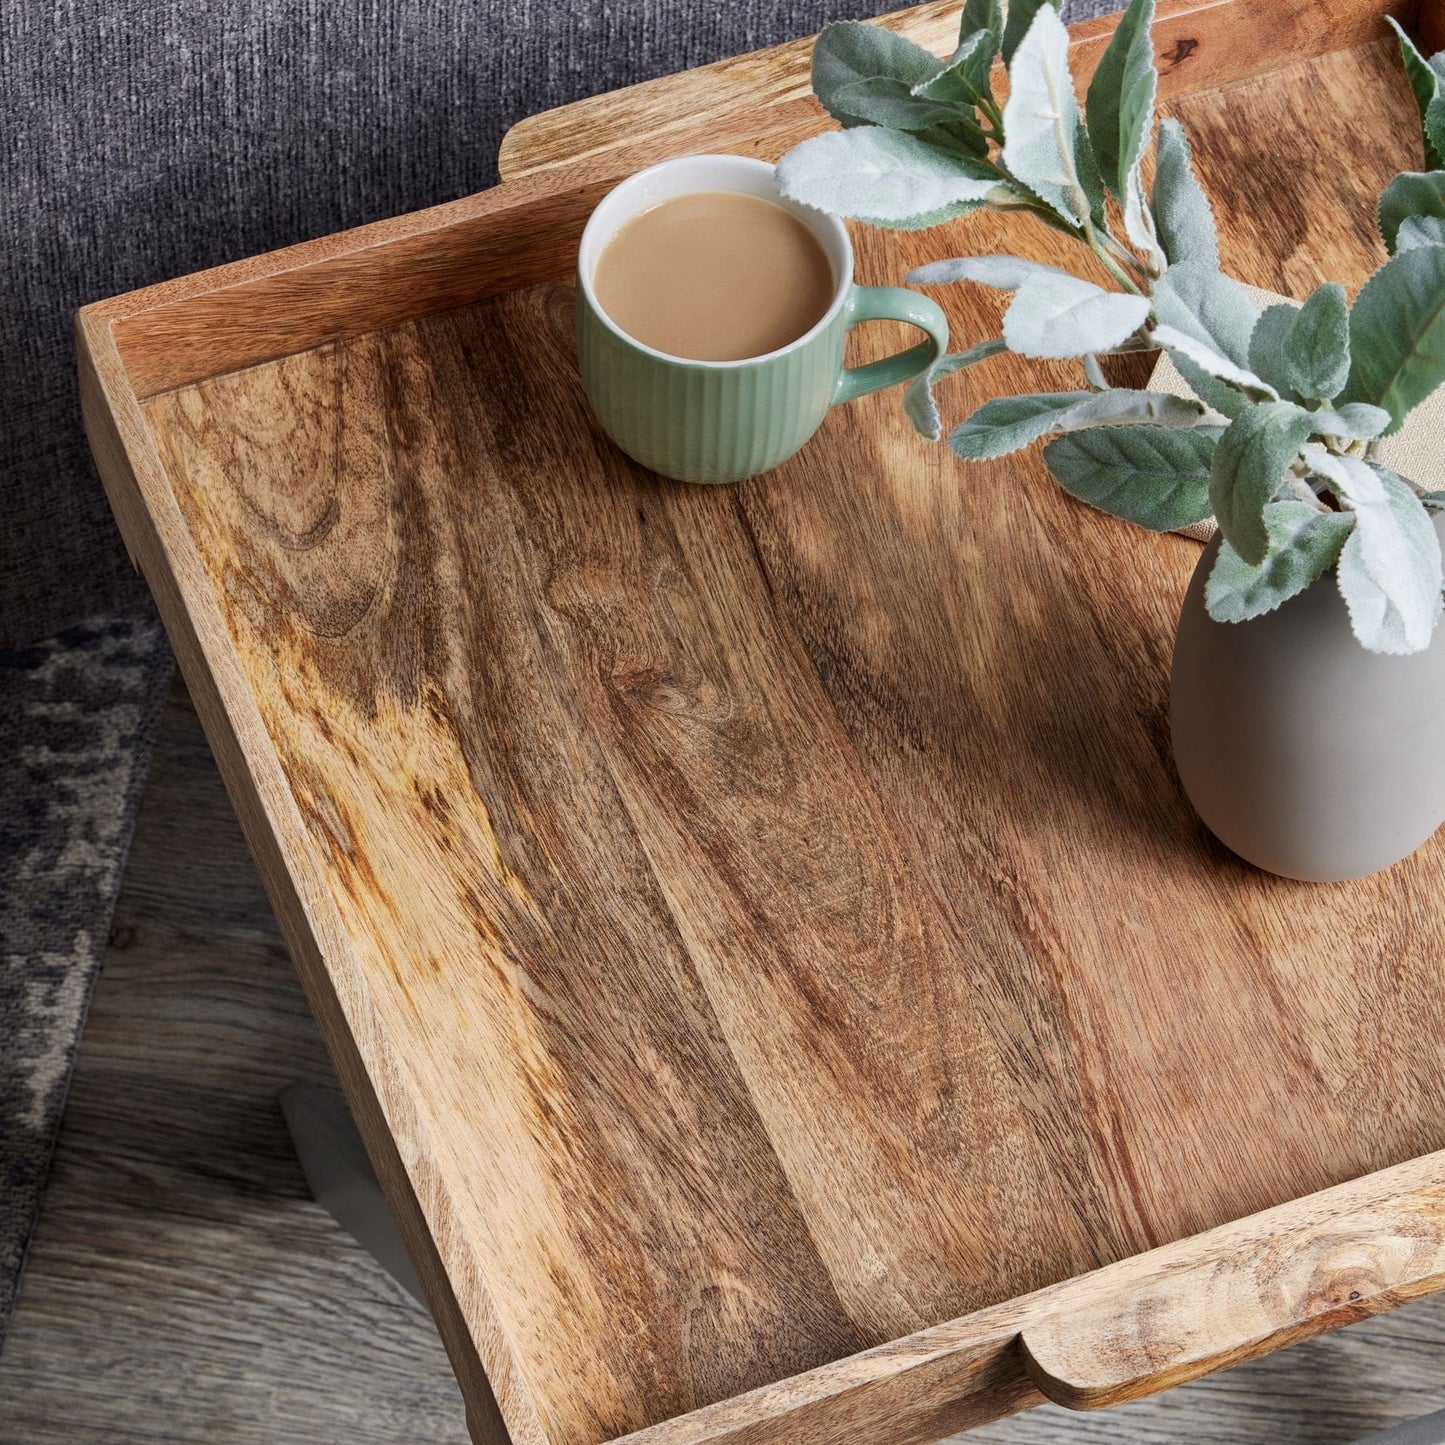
(891, 303)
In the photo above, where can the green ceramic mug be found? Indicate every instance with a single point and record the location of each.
(721, 421)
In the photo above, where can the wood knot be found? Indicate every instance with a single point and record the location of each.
(1342, 1292)
(1184, 47)
(658, 690)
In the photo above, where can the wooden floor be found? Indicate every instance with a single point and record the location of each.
(182, 1287)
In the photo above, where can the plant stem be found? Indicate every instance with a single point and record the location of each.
(1091, 236)
(1100, 246)
(1129, 259)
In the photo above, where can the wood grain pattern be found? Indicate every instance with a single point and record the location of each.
(758, 923)
(760, 104)
(182, 1288)
(375, 1087)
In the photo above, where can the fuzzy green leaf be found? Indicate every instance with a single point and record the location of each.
(1435, 121)
(964, 80)
(1002, 272)
(1090, 179)
(1310, 355)
(1059, 316)
(1354, 481)
(980, 15)
(927, 219)
(1389, 570)
(1021, 14)
(884, 101)
(1120, 104)
(1355, 420)
(1269, 346)
(918, 399)
(1218, 312)
(1156, 477)
(1397, 333)
(1304, 543)
(1181, 209)
(882, 176)
(1210, 306)
(1041, 117)
(1410, 194)
(1249, 467)
(1235, 385)
(849, 54)
(1425, 82)
(1318, 356)
(1054, 314)
(1420, 231)
(1009, 423)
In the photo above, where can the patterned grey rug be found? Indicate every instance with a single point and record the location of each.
(77, 717)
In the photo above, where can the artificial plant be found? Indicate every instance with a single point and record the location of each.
(1281, 444)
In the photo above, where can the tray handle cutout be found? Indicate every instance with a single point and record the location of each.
(1111, 1341)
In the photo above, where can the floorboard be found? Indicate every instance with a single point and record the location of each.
(183, 1288)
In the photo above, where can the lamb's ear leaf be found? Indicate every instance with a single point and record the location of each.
(1304, 543)
(1231, 387)
(877, 175)
(1120, 103)
(1389, 569)
(1156, 477)
(1269, 347)
(1397, 333)
(939, 217)
(1356, 420)
(1090, 179)
(1420, 231)
(850, 52)
(1410, 194)
(1063, 316)
(1008, 423)
(1435, 124)
(1249, 467)
(980, 15)
(1205, 303)
(964, 78)
(918, 399)
(881, 100)
(1041, 117)
(1181, 209)
(1003, 273)
(1317, 350)
(1021, 14)
(1425, 82)
(1219, 313)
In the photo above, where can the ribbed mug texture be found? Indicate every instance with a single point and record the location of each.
(702, 423)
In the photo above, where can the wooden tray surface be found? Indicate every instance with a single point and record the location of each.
(756, 925)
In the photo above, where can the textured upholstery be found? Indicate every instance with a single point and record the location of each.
(142, 141)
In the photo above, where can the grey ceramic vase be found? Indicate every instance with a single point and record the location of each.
(1302, 752)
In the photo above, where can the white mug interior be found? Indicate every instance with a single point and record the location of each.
(686, 176)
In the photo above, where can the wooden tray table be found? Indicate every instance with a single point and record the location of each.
(783, 990)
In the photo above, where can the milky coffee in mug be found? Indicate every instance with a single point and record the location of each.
(715, 276)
